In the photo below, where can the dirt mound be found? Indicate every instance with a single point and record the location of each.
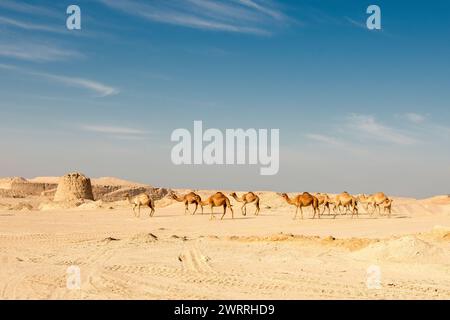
(4, 206)
(439, 200)
(22, 206)
(50, 205)
(351, 244)
(74, 186)
(407, 248)
(143, 238)
(79, 204)
(439, 233)
(6, 183)
(91, 205)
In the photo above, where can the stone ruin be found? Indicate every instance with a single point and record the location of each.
(73, 186)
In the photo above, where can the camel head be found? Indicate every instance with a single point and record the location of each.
(233, 194)
(126, 196)
(284, 195)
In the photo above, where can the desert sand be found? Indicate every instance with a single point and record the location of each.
(178, 256)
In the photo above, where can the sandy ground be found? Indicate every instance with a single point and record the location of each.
(177, 256)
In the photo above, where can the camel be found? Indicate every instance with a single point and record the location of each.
(364, 200)
(324, 200)
(375, 200)
(387, 206)
(190, 198)
(139, 201)
(303, 200)
(247, 198)
(347, 201)
(218, 200)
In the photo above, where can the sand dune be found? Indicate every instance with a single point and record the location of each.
(174, 255)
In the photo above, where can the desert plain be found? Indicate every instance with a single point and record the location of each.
(174, 255)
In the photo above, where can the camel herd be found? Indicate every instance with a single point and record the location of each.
(340, 202)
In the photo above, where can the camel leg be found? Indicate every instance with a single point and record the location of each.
(244, 209)
(257, 208)
(334, 209)
(314, 212)
(296, 210)
(195, 210)
(366, 206)
(374, 209)
(301, 212)
(139, 210)
(347, 209)
(152, 212)
(212, 214)
(224, 211)
(134, 210)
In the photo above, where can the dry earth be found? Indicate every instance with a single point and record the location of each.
(177, 256)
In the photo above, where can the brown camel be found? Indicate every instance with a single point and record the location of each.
(190, 198)
(218, 200)
(247, 198)
(375, 200)
(387, 206)
(347, 201)
(303, 200)
(139, 201)
(324, 200)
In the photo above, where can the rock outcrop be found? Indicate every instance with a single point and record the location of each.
(72, 187)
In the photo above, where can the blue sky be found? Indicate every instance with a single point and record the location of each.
(357, 110)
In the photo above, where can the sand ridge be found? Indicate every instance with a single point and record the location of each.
(182, 256)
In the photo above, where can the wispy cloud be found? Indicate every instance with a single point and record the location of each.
(415, 118)
(370, 127)
(37, 52)
(239, 16)
(100, 89)
(261, 8)
(30, 26)
(117, 132)
(356, 23)
(324, 139)
(23, 7)
(113, 130)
